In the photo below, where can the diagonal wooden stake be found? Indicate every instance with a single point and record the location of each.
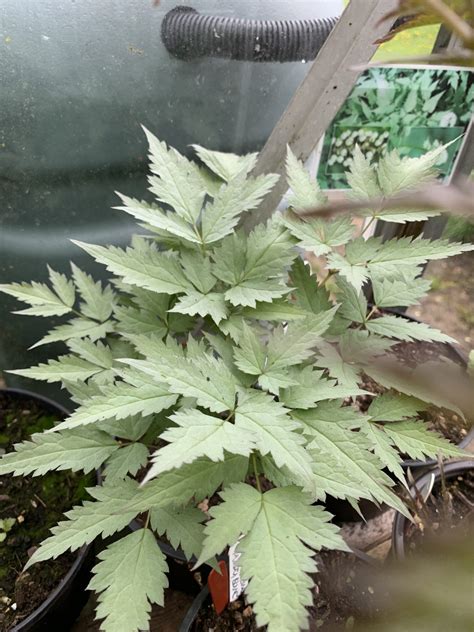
(321, 93)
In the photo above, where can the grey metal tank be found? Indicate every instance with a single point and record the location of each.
(77, 79)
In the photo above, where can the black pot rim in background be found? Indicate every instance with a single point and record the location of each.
(416, 463)
(49, 404)
(65, 593)
(450, 469)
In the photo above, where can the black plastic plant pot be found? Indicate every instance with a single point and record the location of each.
(64, 603)
(424, 485)
(202, 598)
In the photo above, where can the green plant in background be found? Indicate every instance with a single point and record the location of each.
(215, 359)
(416, 110)
(6, 525)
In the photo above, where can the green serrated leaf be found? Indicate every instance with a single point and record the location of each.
(106, 515)
(250, 355)
(128, 460)
(44, 302)
(275, 525)
(155, 217)
(397, 174)
(211, 304)
(274, 432)
(415, 439)
(97, 353)
(130, 428)
(277, 310)
(407, 251)
(305, 191)
(399, 293)
(145, 267)
(356, 274)
(176, 180)
(395, 407)
(362, 177)
(361, 347)
(118, 401)
(240, 195)
(198, 435)
(286, 520)
(66, 367)
(310, 296)
(349, 456)
(224, 530)
(297, 343)
(382, 446)
(198, 270)
(253, 266)
(83, 449)
(134, 565)
(353, 304)
(132, 320)
(330, 412)
(183, 528)
(402, 329)
(344, 372)
(199, 479)
(248, 292)
(206, 378)
(226, 165)
(311, 388)
(76, 328)
(153, 348)
(320, 236)
(98, 301)
(63, 287)
(225, 350)
(269, 251)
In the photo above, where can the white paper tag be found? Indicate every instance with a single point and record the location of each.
(236, 584)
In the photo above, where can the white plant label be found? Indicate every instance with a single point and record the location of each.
(236, 584)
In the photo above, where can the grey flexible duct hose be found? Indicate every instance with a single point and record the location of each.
(188, 35)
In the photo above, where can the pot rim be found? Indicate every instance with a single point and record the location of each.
(450, 469)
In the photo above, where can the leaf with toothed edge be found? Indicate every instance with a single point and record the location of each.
(135, 566)
(281, 528)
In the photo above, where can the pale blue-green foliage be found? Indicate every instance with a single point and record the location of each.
(216, 355)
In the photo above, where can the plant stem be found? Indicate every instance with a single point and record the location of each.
(255, 469)
(369, 223)
(371, 313)
(147, 520)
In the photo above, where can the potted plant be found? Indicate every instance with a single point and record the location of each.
(221, 369)
(28, 509)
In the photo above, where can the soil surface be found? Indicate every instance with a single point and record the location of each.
(449, 306)
(449, 506)
(31, 506)
(237, 616)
